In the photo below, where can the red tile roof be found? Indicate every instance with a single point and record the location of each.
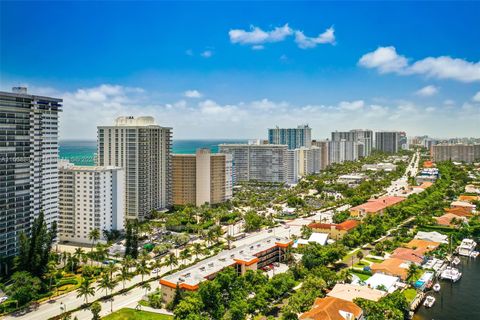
(329, 308)
(376, 205)
(446, 219)
(345, 225)
(459, 211)
(408, 254)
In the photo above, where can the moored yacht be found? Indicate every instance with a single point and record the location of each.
(451, 273)
(436, 287)
(466, 247)
(429, 301)
(456, 261)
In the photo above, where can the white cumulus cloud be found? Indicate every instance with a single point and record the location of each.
(305, 42)
(476, 97)
(257, 37)
(427, 91)
(193, 94)
(207, 53)
(387, 60)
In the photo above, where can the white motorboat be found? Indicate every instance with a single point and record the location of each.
(456, 261)
(436, 287)
(466, 247)
(474, 254)
(451, 273)
(429, 301)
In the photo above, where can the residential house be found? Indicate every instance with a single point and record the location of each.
(349, 292)
(380, 280)
(463, 204)
(433, 236)
(393, 267)
(374, 206)
(448, 219)
(335, 231)
(330, 308)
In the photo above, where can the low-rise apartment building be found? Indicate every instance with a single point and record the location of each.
(335, 231)
(247, 257)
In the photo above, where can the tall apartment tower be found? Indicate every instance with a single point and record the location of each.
(143, 149)
(342, 150)
(201, 178)
(363, 139)
(456, 152)
(293, 137)
(387, 141)
(323, 145)
(263, 163)
(90, 197)
(28, 163)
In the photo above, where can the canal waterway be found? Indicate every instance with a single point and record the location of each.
(460, 300)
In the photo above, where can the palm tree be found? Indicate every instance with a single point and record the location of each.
(185, 254)
(197, 249)
(124, 275)
(111, 268)
(412, 271)
(105, 283)
(172, 260)
(51, 271)
(142, 268)
(128, 262)
(79, 253)
(94, 235)
(85, 290)
(147, 287)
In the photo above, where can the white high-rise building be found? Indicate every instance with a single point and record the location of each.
(28, 164)
(263, 163)
(342, 150)
(291, 160)
(90, 197)
(143, 149)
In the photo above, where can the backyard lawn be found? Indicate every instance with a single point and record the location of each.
(410, 294)
(131, 314)
(362, 276)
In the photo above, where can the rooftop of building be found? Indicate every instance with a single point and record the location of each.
(375, 205)
(191, 277)
(392, 267)
(468, 198)
(408, 254)
(349, 292)
(460, 211)
(433, 236)
(423, 245)
(330, 308)
(66, 165)
(447, 218)
(22, 92)
(345, 225)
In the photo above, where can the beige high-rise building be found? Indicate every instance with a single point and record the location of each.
(143, 149)
(323, 145)
(456, 152)
(201, 178)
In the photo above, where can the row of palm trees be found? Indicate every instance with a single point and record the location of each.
(112, 274)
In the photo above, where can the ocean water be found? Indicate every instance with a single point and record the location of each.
(83, 152)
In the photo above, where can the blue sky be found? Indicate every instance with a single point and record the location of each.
(248, 66)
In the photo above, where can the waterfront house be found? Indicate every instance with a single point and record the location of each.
(330, 308)
(414, 256)
(388, 282)
(349, 292)
(433, 236)
(422, 245)
(335, 231)
(394, 267)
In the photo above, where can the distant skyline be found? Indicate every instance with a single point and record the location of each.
(231, 70)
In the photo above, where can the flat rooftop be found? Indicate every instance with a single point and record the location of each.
(191, 277)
